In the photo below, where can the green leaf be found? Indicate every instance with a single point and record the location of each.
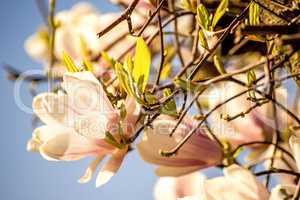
(189, 5)
(166, 71)
(188, 85)
(219, 12)
(219, 65)
(140, 83)
(251, 76)
(71, 67)
(123, 77)
(128, 64)
(150, 99)
(122, 111)
(109, 60)
(127, 82)
(254, 11)
(109, 138)
(202, 39)
(142, 62)
(203, 16)
(170, 107)
(88, 65)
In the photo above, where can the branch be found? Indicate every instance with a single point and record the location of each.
(229, 29)
(123, 17)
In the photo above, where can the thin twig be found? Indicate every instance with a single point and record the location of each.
(189, 134)
(120, 19)
(162, 51)
(277, 171)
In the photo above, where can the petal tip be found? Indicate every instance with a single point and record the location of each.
(103, 178)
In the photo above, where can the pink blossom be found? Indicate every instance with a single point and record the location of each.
(76, 34)
(237, 183)
(173, 188)
(76, 123)
(197, 153)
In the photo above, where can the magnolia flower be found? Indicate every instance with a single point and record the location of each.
(197, 153)
(295, 146)
(237, 183)
(76, 34)
(183, 187)
(283, 191)
(238, 131)
(76, 124)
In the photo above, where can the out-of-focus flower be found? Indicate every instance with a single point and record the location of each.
(237, 183)
(282, 192)
(76, 124)
(197, 153)
(295, 146)
(185, 187)
(76, 33)
(288, 188)
(238, 131)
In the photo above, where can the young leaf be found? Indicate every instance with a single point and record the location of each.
(140, 83)
(251, 79)
(88, 65)
(71, 67)
(220, 12)
(109, 138)
(188, 85)
(109, 60)
(251, 76)
(123, 78)
(219, 65)
(170, 107)
(188, 5)
(122, 111)
(203, 17)
(202, 39)
(142, 62)
(166, 71)
(150, 99)
(254, 10)
(128, 65)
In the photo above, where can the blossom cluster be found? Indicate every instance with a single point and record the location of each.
(159, 78)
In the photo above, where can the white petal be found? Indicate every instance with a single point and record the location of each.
(68, 145)
(103, 177)
(183, 187)
(51, 108)
(111, 167)
(91, 169)
(43, 134)
(248, 183)
(165, 189)
(86, 94)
